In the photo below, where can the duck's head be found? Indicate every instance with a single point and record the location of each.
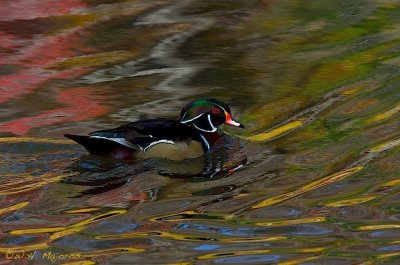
(207, 114)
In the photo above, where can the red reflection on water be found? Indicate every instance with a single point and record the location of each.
(7, 41)
(26, 60)
(33, 59)
(81, 104)
(30, 9)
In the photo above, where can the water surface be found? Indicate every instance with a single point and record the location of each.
(315, 82)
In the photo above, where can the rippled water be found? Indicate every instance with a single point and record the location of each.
(315, 82)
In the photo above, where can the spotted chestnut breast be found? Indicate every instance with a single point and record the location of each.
(193, 134)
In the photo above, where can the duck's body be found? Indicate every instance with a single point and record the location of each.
(145, 139)
(193, 134)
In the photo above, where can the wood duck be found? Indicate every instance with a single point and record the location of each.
(192, 135)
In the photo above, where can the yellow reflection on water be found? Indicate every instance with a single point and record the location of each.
(100, 217)
(377, 227)
(386, 115)
(309, 250)
(14, 207)
(84, 210)
(34, 140)
(349, 202)
(255, 252)
(111, 251)
(292, 222)
(24, 248)
(66, 232)
(233, 254)
(385, 146)
(95, 59)
(276, 131)
(353, 89)
(311, 186)
(388, 255)
(191, 215)
(31, 183)
(391, 183)
(83, 262)
(36, 230)
(298, 261)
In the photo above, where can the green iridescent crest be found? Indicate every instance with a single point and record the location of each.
(198, 107)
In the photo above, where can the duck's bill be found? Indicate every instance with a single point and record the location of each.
(230, 121)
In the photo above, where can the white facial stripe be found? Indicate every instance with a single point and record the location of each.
(118, 140)
(211, 124)
(221, 108)
(158, 142)
(184, 115)
(205, 141)
(203, 130)
(186, 121)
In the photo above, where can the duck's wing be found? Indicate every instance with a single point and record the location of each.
(127, 135)
(146, 133)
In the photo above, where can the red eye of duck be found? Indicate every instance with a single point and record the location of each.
(215, 110)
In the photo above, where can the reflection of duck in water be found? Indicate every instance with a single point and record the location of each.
(192, 135)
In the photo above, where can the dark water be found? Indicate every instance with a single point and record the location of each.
(315, 82)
